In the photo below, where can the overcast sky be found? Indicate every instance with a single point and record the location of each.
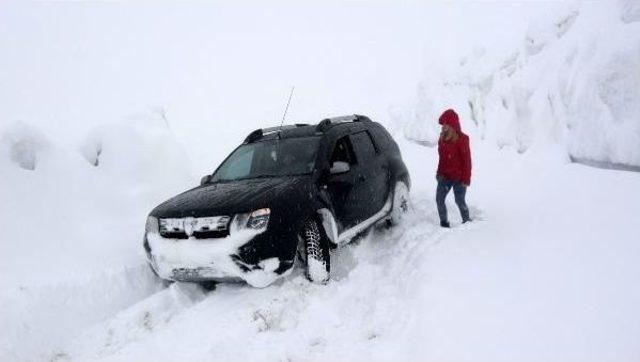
(65, 67)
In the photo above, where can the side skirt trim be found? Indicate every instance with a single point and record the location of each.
(329, 224)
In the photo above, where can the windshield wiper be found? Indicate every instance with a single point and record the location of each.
(263, 176)
(251, 177)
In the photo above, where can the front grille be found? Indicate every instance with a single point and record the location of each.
(200, 228)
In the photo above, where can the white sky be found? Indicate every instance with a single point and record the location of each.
(65, 67)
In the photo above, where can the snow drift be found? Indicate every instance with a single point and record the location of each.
(574, 81)
(72, 220)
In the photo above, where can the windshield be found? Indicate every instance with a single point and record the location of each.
(293, 156)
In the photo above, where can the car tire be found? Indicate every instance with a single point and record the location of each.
(401, 203)
(316, 247)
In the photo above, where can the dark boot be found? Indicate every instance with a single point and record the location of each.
(445, 224)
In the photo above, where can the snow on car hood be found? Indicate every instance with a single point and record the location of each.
(233, 197)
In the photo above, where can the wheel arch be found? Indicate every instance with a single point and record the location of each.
(398, 172)
(328, 222)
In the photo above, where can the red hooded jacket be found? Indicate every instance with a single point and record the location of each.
(455, 156)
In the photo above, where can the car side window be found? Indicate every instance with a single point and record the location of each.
(363, 145)
(343, 151)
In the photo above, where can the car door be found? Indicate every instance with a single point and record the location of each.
(341, 187)
(372, 175)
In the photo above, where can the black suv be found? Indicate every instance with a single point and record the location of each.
(289, 191)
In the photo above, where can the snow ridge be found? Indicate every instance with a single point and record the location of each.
(574, 82)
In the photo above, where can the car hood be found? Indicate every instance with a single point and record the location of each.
(227, 198)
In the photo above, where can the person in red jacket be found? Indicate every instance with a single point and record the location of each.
(454, 166)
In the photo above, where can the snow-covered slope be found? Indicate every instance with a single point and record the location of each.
(526, 281)
(71, 223)
(573, 81)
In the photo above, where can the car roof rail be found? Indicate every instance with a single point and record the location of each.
(261, 132)
(328, 122)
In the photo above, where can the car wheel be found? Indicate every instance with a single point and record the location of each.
(400, 203)
(317, 252)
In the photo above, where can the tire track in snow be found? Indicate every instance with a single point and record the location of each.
(50, 315)
(134, 322)
(359, 311)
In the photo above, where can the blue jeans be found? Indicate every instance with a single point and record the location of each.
(459, 191)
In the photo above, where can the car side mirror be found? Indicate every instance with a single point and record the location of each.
(205, 180)
(339, 167)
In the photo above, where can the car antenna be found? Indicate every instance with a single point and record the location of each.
(285, 110)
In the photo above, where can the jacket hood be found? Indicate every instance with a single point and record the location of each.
(227, 198)
(450, 118)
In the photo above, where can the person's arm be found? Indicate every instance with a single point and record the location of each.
(465, 152)
(439, 169)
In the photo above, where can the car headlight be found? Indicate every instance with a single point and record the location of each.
(152, 225)
(171, 226)
(259, 219)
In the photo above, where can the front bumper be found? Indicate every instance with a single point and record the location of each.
(217, 259)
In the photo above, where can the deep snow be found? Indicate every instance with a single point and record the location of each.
(573, 80)
(548, 271)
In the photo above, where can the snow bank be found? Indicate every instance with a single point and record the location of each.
(24, 146)
(38, 320)
(141, 150)
(629, 10)
(573, 81)
(72, 220)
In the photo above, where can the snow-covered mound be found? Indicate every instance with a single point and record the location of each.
(574, 81)
(23, 146)
(72, 222)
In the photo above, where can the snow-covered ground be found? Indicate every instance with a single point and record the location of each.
(547, 271)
